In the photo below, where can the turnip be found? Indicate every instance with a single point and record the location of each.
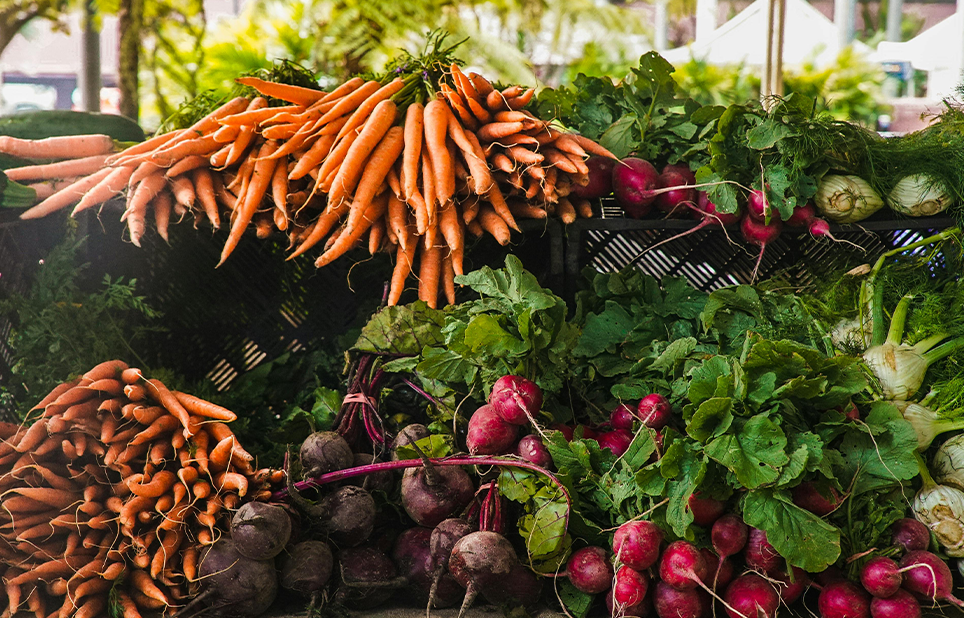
(433, 493)
(617, 441)
(927, 575)
(901, 605)
(489, 434)
(751, 596)
(790, 591)
(802, 215)
(811, 496)
(843, 599)
(629, 587)
(760, 234)
(671, 602)
(622, 417)
(532, 449)
(323, 452)
(589, 570)
(441, 541)
(306, 568)
(260, 530)
(234, 585)
(705, 510)
(654, 411)
(409, 434)
(910, 534)
(520, 588)
(636, 544)
(516, 399)
(479, 560)
(759, 554)
(600, 179)
(368, 577)
(349, 515)
(412, 556)
(679, 197)
(881, 577)
(633, 183)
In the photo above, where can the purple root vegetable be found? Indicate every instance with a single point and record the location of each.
(349, 515)
(306, 568)
(674, 603)
(441, 541)
(409, 434)
(759, 554)
(480, 560)
(729, 535)
(379, 481)
(636, 544)
(413, 559)
(622, 417)
(323, 452)
(760, 234)
(260, 530)
(654, 411)
(705, 510)
(790, 591)
(926, 575)
(910, 534)
(723, 570)
(634, 181)
(881, 577)
(516, 399)
(489, 434)
(600, 179)
(532, 449)
(680, 195)
(703, 210)
(901, 605)
(843, 599)
(431, 493)
(368, 577)
(589, 570)
(629, 588)
(751, 596)
(520, 588)
(234, 585)
(819, 500)
(617, 441)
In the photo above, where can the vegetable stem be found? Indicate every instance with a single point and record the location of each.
(924, 472)
(932, 355)
(897, 321)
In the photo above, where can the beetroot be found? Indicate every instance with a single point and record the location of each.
(759, 554)
(600, 179)
(654, 411)
(306, 567)
(379, 481)
(413, 559)
(629, 587)
(928, 576)
(589, 570)
(843, 599)
(633, 183)
(516, 399)
(489, 434)
(520, 588)
(236, 586)
(349, 515)
(814, 497)
(441, 541)
(433, 493)
(901, 605)
(751, 595)
(617, 441)
(532, 449)
(910, 534)
(673, 603)
(409, 434)
(705, 510)
(622, 417)
(636, 544)
(323, 452)
(260, 530)
(479, 561)
(881, 577)
(790, 591)
(368, 577)
(682, 566)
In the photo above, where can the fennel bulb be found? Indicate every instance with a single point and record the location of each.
(919, 195)
(949, 462)
(941, 509)
(846, 199)
(927, 424)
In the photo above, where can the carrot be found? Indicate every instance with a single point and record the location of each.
(566, 211)
(497, 130)
(414, 122)
(163, 425)
(350, 101)
(135, 392)
(160, 483)
(404, 260)
(429, 271)
(85, 409)
(590, 146)
(60, 147)
(330, 166)
(377, 127)
(524, 210)
(497, 201)
(524, 155)
(502, 162)
(281, 131)
(162, 213)
(220, 456)
(204, 191)
(583, 208)
(52, 396)
(520, 101)
(448, 279)
(398, 220)
(49, 569)
(183, 189)
(33, 436)
(279, 195)
(382, 160)
(428, 191)
(456, 102)
(495, 101)
(451, 228)
(473, 155)
(136, 212)
(226, 134)
(376, 235)
(312, 158)
(62, 169)
(373, 211)
(436, 122)
(143, 584)
(46, 188)
(56, 498)
(127, 606)
(286, 92)
(481, 85)
(106, 369)
(145, 415)
(200, 407)
(257, 112)
(478, 110)
(250, 200)
(494, 224)
(367, 107)
(232, 481)
(66, 196)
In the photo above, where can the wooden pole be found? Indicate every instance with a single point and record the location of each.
(766, 87)
(778, 52)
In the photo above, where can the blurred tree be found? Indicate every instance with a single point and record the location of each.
(15, 14)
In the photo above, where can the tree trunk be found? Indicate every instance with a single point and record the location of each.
(130, 16)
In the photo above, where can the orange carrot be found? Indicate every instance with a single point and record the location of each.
(106, 369)
(451, 228)
(251, 199)
(33, 436)
(256, 112)
(376, 235)
(398, 220)
(60, 147)
(286, 92)
(436, 122)
(497, 201)
(404, 259)
(520, 101)
(154, 488)
(350, 102)
(457, 104)
(566, 211)
(147, 145)
(188, 163)
(590, 146)
(583, 208)
(374, 210)
(143, 583)
(448, 279)
(495, 225)
(62, 169)
(377, 127)
(311, 159)
(473, 155)
(378, 166)
(525, 210)
(495, 101)
(66, 196)
(204, 190)
(162, 213)
(497, 130)
(429, 271)
(232, 481)
(204, 145)
(414, 123)
(367, 107)
(136, 212)
(226, 134)
(481, 85)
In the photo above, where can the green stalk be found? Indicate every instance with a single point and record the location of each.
(925, 474)
(876, 314)
(898, 320)
(932, 355)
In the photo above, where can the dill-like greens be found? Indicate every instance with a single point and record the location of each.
(423, 74)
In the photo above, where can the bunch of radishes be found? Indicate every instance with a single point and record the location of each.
(494, 428)
(653, 411)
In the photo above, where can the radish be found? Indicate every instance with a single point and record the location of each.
(751, 596)
(622, 417)
(633, 183)
(720, 568)
(802, 215)
(565, 430)
(808, 496)
(489, 434)
(927, 575)
(683, 170)
(617, 441)
(682, 566)
(760, 234)
(881, 577)
(600, 179)
(819, 228)
(790, 591)
(629, 587)
(705, 510)
(831, 574)
(758, 207)
(532, 449)
(654, 411)
(843, 599)
(479, 560)
(910, 534)
(759, 554)
(680, 195)
(901, 605)
(636, 544)
(640, 610)
(728, 535)
(589, 570)
(587, 433)
(674, 603)
(516, 399)
(432, 493)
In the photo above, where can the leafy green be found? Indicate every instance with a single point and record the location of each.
(805, 540)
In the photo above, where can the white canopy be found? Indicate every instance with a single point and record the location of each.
(936, 50)
(810, 37)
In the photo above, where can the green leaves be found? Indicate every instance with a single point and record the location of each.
(805, 540)
(546, 519)
(880, 453)
(755, 453)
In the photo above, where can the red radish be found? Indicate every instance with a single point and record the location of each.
(830, 574)
(705, 510)
(532, 449)
(810, 496)
(516, 399)
(636, 544)
(622, 417)
(881, 577)
(480, 560)
(821, 229)
(633, 183)
(683, 170)
(629, 587)
(843, 599)
(600, 179)
(901, 605)
(682, 566)
(489, 434)
(757, 207)
(852, 413)
(751, 596)
(588, 433)
(760, 234)
(790, 591)
(565, 430)
(802, 216)
(728, 535)
(640, 610)
(673, 603)
(589, 570)
(679, 198)
(759, 554)
(617, 440)
(927, 575)
(654, 411)
(910, 534)
(720, 568)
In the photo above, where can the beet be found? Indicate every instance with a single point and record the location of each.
(843, 599)
(430, 495)
(617, 441)
(532, 449)
(589, 570)
(410, 433)
(636, 544)
(520, 588)
(516, 399)
(260, 530)
(489, 434)
(323, 452)
(441, 541)
(600, 179)
(672, 603)
(480, 560)
(234, 585)
(306, 567)
(751, 595)
(368, 577)
(379, 481)
(633, 183)
(705, 510)
(413, 559)
(349, 515)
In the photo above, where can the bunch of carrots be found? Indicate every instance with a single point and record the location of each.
(111, 493)
(360, 165)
